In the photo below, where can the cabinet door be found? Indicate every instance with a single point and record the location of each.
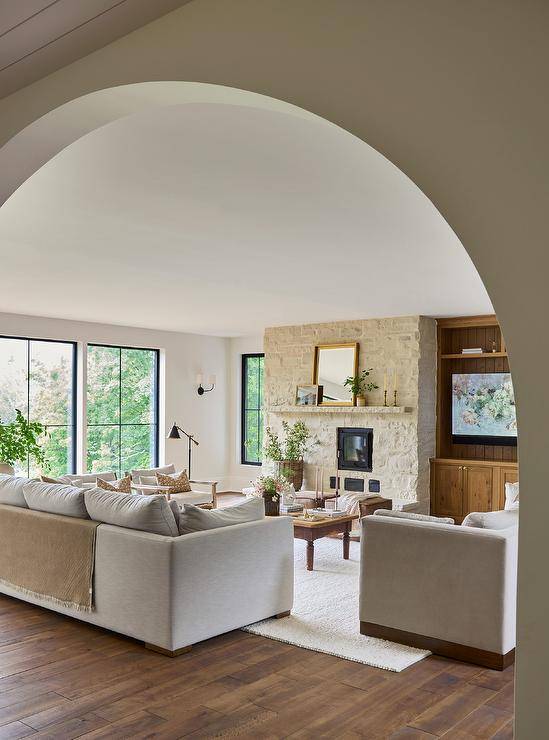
(507, 475)
(448, 490)
(478, 487)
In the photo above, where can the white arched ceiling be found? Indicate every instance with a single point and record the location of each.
(222, 215)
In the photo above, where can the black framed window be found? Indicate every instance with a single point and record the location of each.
(38, 377)
(122, 408)
(252, 409)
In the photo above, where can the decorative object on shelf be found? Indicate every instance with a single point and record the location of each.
(474, 351)
(19, 441)
(288, 452)
(494, 348)
(359, 386)
(333, 363)
(174, 434)
(395, 388)
(200, 380)
(271, 489)
(308, 395)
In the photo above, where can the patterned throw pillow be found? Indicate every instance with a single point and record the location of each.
(124, 485)
(178, 483)
(46, 479)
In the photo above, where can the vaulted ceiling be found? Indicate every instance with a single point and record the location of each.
(38, 37)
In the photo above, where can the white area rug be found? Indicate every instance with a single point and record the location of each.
(325, 613)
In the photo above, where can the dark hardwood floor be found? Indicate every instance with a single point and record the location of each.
(60, 678)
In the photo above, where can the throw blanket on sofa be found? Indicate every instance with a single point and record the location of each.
(48, 556)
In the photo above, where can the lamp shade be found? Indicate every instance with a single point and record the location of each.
(174, 433)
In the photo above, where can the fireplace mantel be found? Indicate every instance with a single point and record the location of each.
(339, 410)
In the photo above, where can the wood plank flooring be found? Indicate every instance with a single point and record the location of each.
(60, 678)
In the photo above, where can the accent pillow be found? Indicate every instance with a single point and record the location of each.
(54, 498)
(11, 491)
(178, 483)
(412, 515)
(145, 513)
(124, 485)
(194, 519)
(47, 479)
(491, 519)
(511, 496)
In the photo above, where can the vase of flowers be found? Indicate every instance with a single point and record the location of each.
(271, 488)
(288, 449)
(19, 441)
(359, 386)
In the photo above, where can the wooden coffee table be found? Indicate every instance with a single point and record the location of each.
(310, 530)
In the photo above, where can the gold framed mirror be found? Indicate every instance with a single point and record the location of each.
(333, 364)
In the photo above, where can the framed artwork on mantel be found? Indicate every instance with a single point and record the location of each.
(308, 395)
(333, 364)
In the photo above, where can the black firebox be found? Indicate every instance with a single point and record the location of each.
(354, 448)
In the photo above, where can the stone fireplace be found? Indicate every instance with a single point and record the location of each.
(403, 438)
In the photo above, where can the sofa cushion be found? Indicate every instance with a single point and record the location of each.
(511, 496)
(194, 519)
(124, 485)
(176, 511)
(411, 515)
(146, 513)
(55, 498)
(491, 519)
(11, 490)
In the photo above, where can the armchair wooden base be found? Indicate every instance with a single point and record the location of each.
(465, 653)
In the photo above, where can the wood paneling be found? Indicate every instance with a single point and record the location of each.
(60, 678)
(453, 336)
(448, 494)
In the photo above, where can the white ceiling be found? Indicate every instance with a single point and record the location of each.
(223, 219)
(38, 37)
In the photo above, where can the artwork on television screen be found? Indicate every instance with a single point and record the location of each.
(483, 409)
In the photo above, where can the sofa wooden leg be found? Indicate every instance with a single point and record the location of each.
(168, 653)
(282, 615)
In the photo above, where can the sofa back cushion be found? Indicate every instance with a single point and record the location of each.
(491, 519)
(194, 519)
(151, 472)
(11, 491)
(146, 513)
(412, 515)
(82, 478)
(55, 498)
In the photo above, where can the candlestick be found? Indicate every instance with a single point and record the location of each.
(396, 380)
(395, 394)
(385, 381)
(385, 397)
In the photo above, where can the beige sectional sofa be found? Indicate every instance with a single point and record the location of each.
(445, 588)
(171, 591)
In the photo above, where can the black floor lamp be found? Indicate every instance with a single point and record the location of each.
(174, 434)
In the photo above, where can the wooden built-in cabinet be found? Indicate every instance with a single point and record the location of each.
(461, 486)
(467, 478)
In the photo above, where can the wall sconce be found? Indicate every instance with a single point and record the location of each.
(200, 380)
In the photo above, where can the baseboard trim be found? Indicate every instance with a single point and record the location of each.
(454, 650)
(168, 653)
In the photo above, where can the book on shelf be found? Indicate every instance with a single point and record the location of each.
(472, 351)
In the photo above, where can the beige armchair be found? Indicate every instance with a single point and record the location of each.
(143, 482)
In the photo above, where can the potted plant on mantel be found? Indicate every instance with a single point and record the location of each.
(288, 452)
(19, 441)
(359, 386)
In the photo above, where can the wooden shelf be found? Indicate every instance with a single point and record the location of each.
(339, 410)
(479, 356)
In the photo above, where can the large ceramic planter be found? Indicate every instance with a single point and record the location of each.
(361, 400)
(272, 507)
(292, 470)
(6, 469)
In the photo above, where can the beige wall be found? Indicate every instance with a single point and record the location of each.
(454, 92)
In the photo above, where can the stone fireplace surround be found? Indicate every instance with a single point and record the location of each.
(404, 439)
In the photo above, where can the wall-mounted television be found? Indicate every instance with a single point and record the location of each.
(483, 409)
